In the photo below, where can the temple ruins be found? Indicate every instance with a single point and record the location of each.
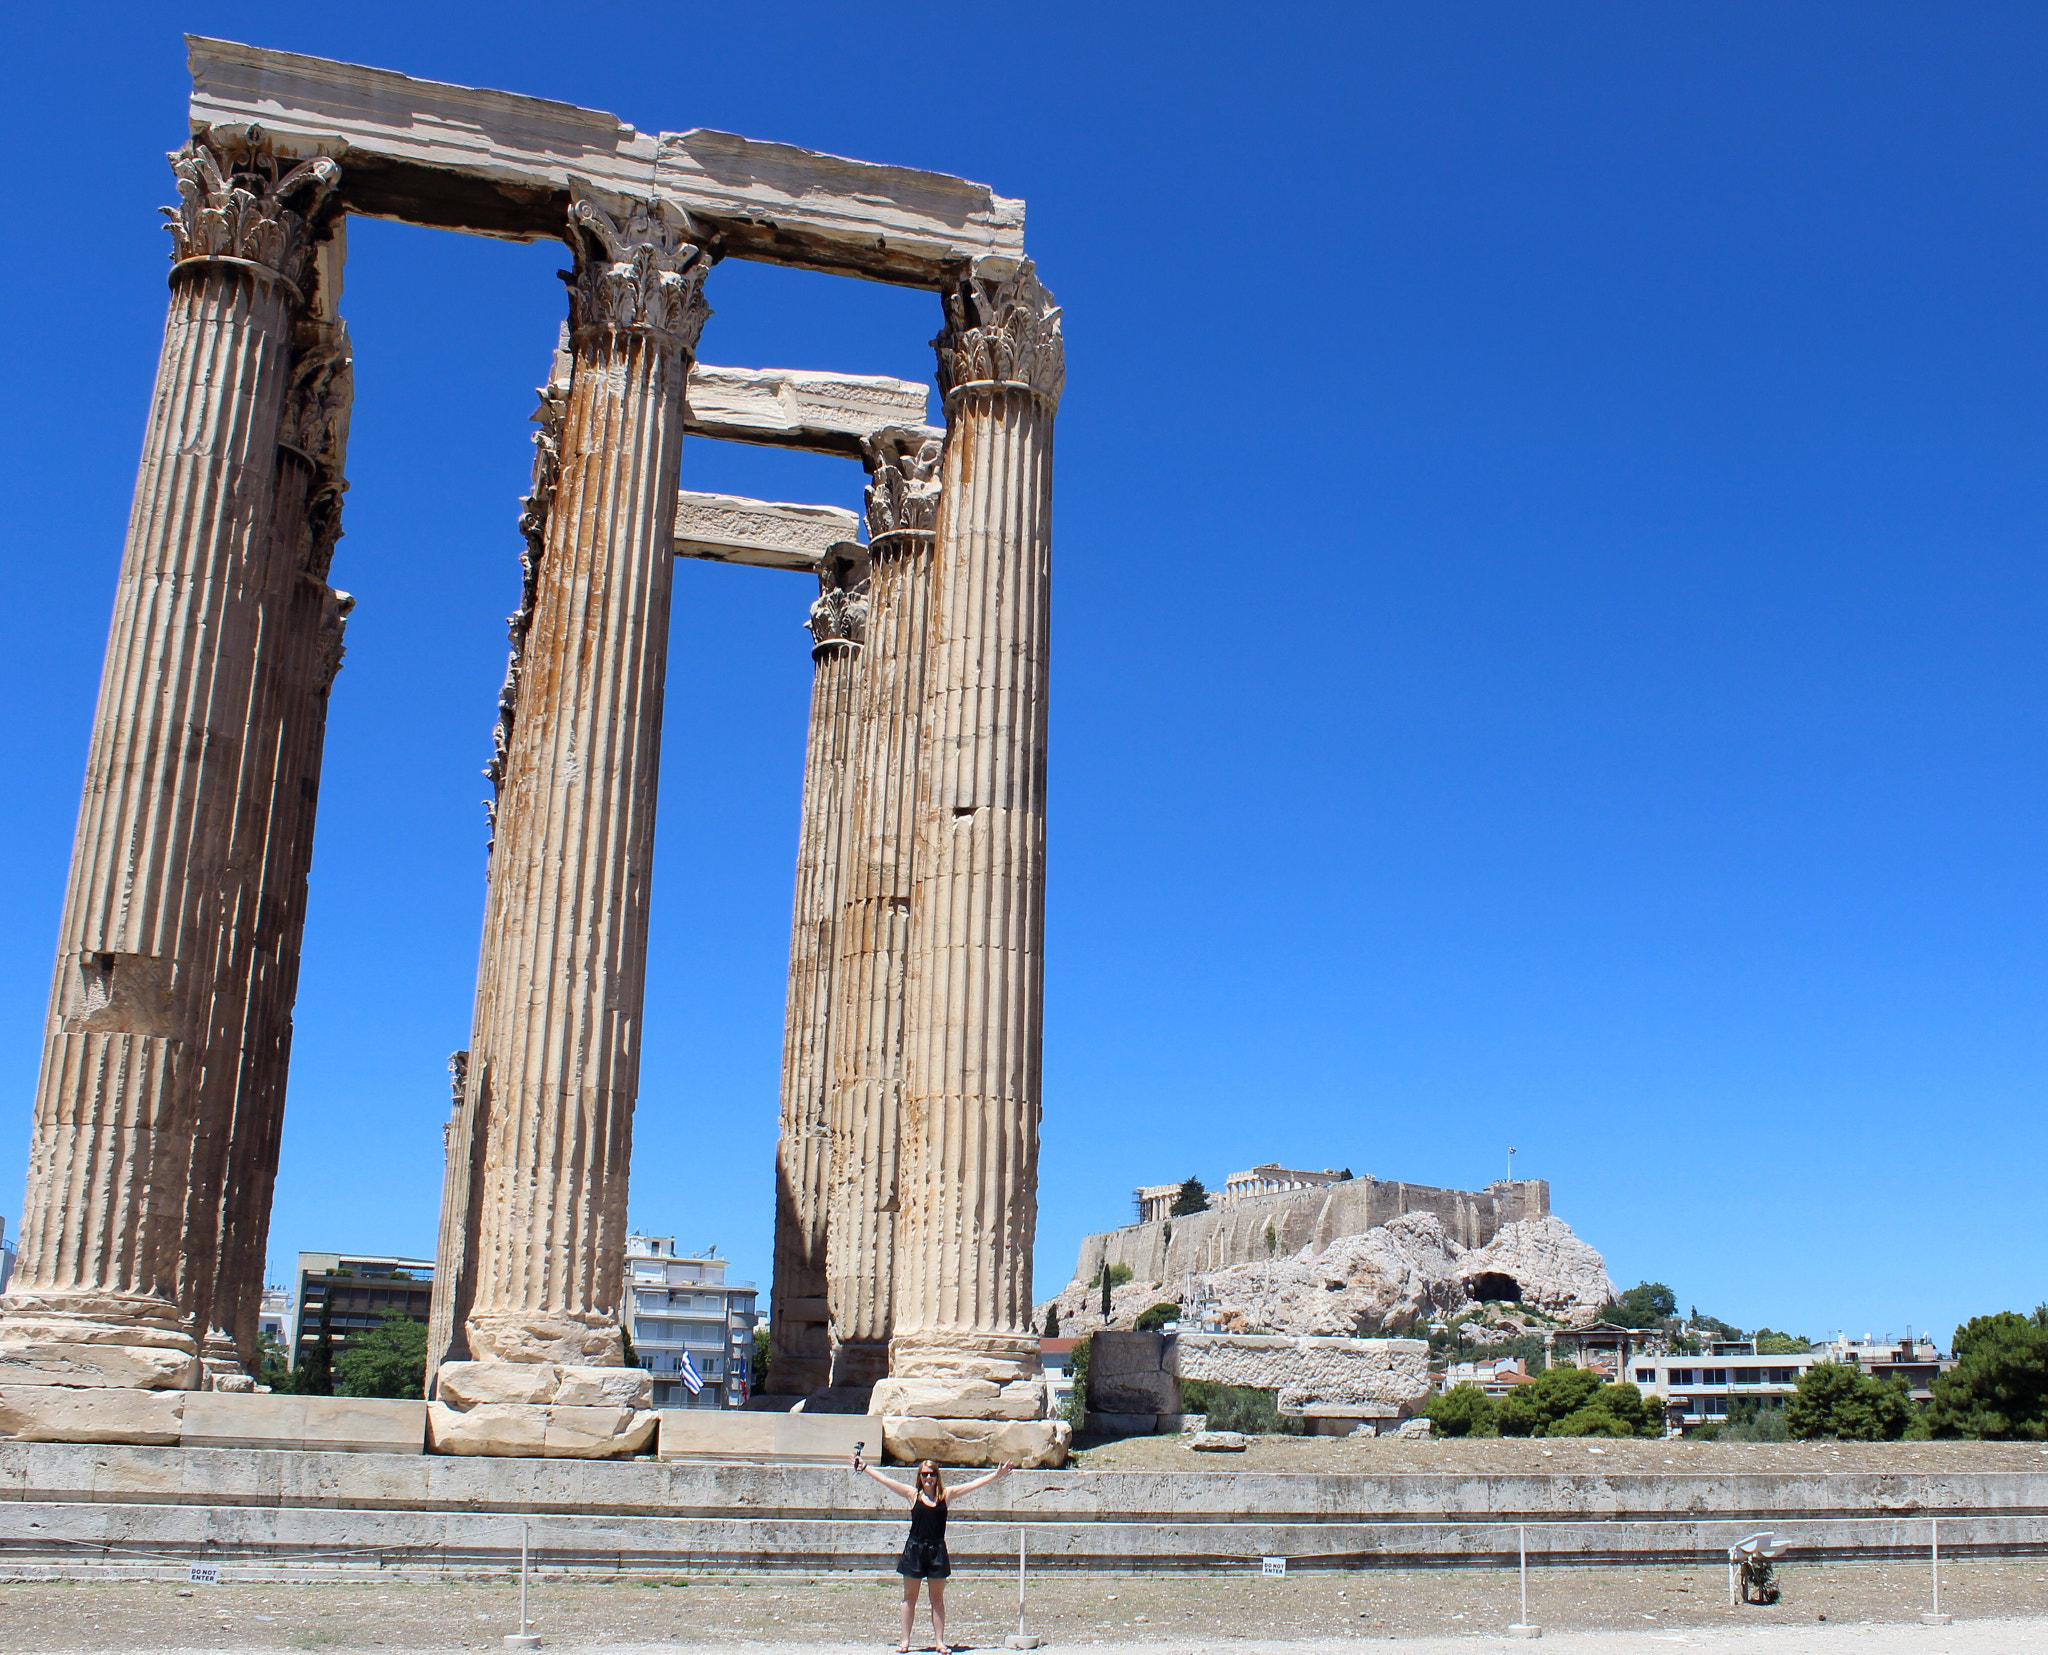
(905, 1181)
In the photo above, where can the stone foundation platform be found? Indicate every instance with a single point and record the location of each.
(78, 1510)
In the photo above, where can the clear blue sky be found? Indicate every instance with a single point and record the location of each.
(1549, 622)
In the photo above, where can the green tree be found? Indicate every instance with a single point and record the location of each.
(318, 1379)
(1834, 1399)
(1193, 1198)
(274, 1368)
(1463, 1411)
(764, 1357)
(1077, 1370)
(388, 1360)
(1643, 1305)
(1574, 1402)
(1998, 1389)
(1151, 1321)
(1780, 1344)
(628, 1356)
(1052, 1321)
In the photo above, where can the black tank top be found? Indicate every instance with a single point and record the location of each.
(928, 1521)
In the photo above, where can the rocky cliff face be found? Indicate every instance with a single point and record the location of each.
(1395, 1273)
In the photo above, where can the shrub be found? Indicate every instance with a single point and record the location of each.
(1151, 1321)
(1077, 1365)
(1238, 1408)
(1118, 1275)
(1462, 1411)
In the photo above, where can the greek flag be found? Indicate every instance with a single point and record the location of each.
(691, 1377)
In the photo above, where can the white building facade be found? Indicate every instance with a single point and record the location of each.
(1698, 1390)
(684, 1305)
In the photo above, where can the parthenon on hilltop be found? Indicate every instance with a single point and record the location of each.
(907, 1166)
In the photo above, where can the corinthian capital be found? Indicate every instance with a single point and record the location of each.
(1002, 332)
(316, 408)
(841, 613)
(903, 479)
(237, 200)
(640, 271)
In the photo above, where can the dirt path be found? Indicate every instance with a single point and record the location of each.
(1827, 1607)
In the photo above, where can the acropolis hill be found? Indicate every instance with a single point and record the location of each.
(1358, 1255)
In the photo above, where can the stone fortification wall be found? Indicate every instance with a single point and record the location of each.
(1173, 1248)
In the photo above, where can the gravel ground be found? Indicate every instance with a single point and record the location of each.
(1561, 1455)
(1634, 1609)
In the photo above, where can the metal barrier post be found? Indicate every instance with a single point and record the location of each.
(1935, 1617)
(1021, 1639)
(524, 1638)
(1523, 1628)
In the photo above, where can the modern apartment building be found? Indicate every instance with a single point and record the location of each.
(1697, 1390)
(1915, 1362)
(274, 1320)
(354, 1292)
(680, 1304)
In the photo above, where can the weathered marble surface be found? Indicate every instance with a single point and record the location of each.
(495, 163)
(728, 528)
(818, 413)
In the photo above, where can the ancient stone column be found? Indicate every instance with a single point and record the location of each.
(455, 1261)
(800, 1359)
(556, 1069)
(873, 922)
(963, 1351)
(93, 1300)
(263, 897)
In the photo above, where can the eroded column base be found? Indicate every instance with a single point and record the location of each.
(542, 1410)
(100, 1413)
(95, 1341)
(1031, 1444)
(961, 1398)
(566, 1338)
(223, 1365)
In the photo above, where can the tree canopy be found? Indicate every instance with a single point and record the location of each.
(390, 1360)
(1769, 1343)
(1998, 1388)
(1643, 1305)
(1834, 1399)
(1193, 1198)
(1576, 1402)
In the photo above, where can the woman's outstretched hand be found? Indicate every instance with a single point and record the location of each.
(859, 1464)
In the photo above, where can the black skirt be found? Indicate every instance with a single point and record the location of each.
(924, 1560)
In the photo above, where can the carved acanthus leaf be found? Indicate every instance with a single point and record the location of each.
(237, 200)
(840, 614)
(329, 647)
(316, 407)
(1004, 332)
(903, 471)
(642, 271)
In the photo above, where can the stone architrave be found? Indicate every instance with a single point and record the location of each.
(962, 1348)
(555, 1070)
(801, 1359)
(872, 928)
(724, 528)
(94, 1297)
(263, 898)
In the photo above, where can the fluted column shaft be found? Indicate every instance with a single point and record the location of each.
(975, 976)
(263, 908)
(566, 925)
(800, 1360)
(117, 1104)
(873, 926)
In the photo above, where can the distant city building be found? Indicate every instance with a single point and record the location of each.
(353, 1293)
(1056, 1356)
(1155, 1201)
(1915, 1361)
(1496, 1378)
(274, 1320)
(1697, 1390)
(1272, 1178)
(682, 1305)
